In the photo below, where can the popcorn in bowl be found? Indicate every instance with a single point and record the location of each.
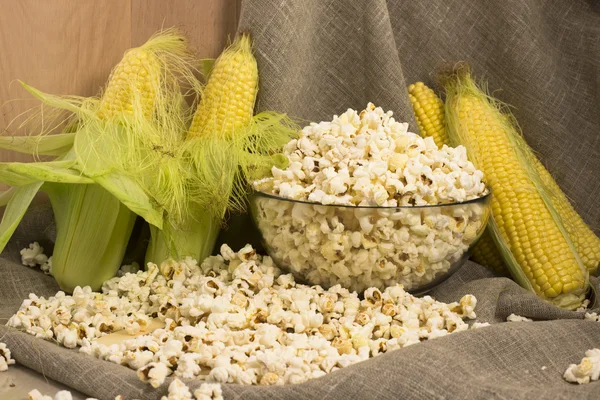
(365, 203)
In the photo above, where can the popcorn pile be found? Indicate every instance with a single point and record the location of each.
(367, 160)
(586, 371)
(5, 358)
(237, 319)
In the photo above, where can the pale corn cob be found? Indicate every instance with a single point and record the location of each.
(132, 90)
(137, 74)
(429, 111)
(534, 242)
(228, 99)
(226, 108)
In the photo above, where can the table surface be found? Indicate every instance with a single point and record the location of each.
(19, 380)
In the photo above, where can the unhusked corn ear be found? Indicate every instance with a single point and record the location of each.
(228, 99)
(584, 239)
(529, 230)
(132, 83)
(429, 111)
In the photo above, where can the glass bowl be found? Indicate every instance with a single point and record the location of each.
(360, 247)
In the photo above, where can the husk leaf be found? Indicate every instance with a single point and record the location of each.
(16, 207)
(51, 145)
(93, 230)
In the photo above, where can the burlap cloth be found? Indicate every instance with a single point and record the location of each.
(319, 57)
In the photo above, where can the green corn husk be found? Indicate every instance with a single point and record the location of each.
(221, 163)
(86, 256)
(222, 169)
(195, 239)
(110, 165)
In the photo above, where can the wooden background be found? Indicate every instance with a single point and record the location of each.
(70, 46)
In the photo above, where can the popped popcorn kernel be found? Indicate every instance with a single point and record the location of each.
(587, 370)
(178, 391)
(5, 357)
(517, 318)
(209, 391)
(33, 255)
(61, 395)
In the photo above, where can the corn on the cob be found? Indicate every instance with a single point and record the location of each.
(584, 239)
(227, 105)
(486, 253)
(136, 75)
(113, 135)
(226, 145)
(228, 99)
(429, 111)
(528, 228)
(91, 222)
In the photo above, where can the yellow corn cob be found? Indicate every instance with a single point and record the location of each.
(228, 99)
(136, 74)
(486, 253)
(533, 240)
(585, 241)
(429, 111)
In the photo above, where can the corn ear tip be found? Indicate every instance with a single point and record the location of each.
(451, 73)
(243, 41)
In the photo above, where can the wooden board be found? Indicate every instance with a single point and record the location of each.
(207, 23)
(58, 46)
(120, 336)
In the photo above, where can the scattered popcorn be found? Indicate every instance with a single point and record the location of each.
(178, 391)
(209, 391)
(62, 395)
(154, 373)
(47, 266)
(34, 255)
(5, 358)
(544, 368)
(237, 319)
(584, 306)
(369, 160)
(128, 269)
(517, 318)
(591, 316)
(36, 395)
(477, 325)
(586, 371)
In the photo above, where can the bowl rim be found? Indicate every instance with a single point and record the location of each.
(479, 199)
